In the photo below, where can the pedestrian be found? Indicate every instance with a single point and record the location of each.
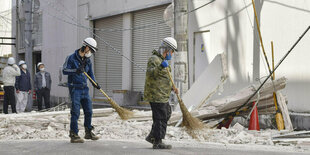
(9, 74)
(75, 65)
(42, 86)
(23, 87)
(157, 91)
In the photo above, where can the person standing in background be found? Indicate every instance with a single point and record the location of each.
(9, 74)
(42, 86)
(23, 87)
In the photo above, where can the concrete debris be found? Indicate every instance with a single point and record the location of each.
(285, 113)
(238, 126)
(210, 81)
(265, 96)
(108, 125)
(217, 109)
(55, 125)
(296, 134)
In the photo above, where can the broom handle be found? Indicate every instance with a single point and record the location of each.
(123, 113)
(91, 80)
(260, 37)
(273, 75)
(170, 77)
(269, 68)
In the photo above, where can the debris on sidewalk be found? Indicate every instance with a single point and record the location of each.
(55, 125)
(217, 109)
(108, 125)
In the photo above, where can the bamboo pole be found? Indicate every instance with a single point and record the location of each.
(279, 117)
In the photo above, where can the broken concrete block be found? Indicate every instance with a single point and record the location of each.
(207, 83)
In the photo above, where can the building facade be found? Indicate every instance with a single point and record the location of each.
(229, 27)
(62, 26)
(135, 27)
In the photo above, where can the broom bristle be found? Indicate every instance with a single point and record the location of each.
(190, 122)
(122, 112)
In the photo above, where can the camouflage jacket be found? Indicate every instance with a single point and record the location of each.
(157, 86)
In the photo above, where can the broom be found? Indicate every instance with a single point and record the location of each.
(190, 122)
(122, 112)
(279, 117)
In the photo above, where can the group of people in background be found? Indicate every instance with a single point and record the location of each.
(17, 86)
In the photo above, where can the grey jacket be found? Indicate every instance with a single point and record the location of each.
(38, 80)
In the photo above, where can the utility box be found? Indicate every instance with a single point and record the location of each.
(126, 97)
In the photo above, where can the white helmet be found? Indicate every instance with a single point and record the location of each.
(40, 63)
(11, 61)
(171, 42)
(21, 62)
(92, 43)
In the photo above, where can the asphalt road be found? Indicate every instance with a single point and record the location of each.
(106, 147)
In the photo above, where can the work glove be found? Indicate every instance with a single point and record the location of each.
(80, 69)
(165, 63)
(96, 85)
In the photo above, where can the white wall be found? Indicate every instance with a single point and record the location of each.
(283, 21)
(59, 39)
(230, 31)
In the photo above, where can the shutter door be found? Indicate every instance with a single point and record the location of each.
(108, 64)
(145, 40)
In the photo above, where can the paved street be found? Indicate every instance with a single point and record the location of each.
(138, 148)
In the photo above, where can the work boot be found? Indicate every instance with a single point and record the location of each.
(75, 138)
(150, 139)
(161, 145)
(89, 134)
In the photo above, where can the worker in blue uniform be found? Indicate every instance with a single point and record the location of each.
(75, 66)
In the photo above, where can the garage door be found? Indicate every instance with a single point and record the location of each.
(108, 64)
(145, 40)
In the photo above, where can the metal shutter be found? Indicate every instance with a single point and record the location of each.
(108, 64)
(145, 40)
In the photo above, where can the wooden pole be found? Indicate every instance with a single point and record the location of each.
(279, 117)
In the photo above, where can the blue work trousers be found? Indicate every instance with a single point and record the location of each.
(80, 96)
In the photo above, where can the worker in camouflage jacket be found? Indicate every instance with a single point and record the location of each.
(157, 91)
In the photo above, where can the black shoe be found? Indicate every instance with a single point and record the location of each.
(89, 134)
(150, 139)
(75, 138)
(161, 146)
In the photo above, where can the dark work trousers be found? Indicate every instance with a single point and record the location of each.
(9, 99)
(43, 93)
(161, 113)
(80, 96)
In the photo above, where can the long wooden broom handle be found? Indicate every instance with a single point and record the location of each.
(273, 75)
(170, 77)
(262, 44)
(91, 80)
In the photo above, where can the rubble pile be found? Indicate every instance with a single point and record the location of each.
(56, 125)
